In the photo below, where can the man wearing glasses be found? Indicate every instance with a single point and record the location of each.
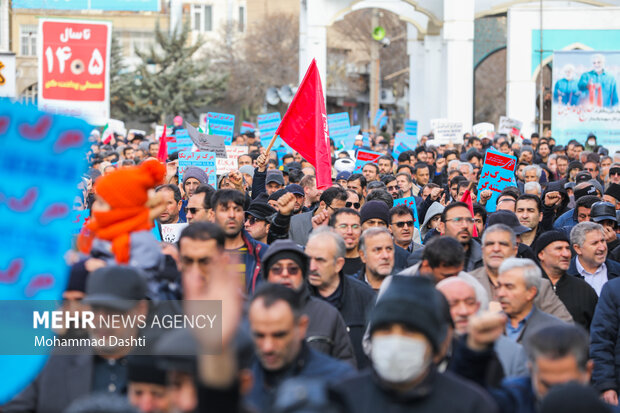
(198, 207)
(457, 222)
(348, 223)
(285, 263)
(402, 228)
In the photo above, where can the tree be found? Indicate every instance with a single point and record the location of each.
(120, 82)
(266, 55)
(171, 80)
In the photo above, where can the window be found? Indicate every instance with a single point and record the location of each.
(241, 18)
(28, 39)
(202, 18)
(132, 40)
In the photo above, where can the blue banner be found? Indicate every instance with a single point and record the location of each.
(221, 124)
(42, 158)
(408, 140)
(364, 156)
(203, 160)
(498, 172)
(268, 124)
(411, 127)
(338, 125)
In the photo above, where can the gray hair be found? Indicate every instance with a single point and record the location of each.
(579, 232)
(531, 273)
(553, 156)
(500, 228)
(532, 185)
(326, 231)
(453, 165)
(533, 167)
(371, 232)
(470, 166)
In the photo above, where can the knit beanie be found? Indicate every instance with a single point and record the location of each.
(128, 187)
(375, 209)
(196, 173)
(285, 249)
(614, 191)
(413, 302)
(547, 238)
(145, 369)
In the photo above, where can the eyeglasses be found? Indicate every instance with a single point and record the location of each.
(355, 205)
(253, 220)
(193, 210)
(331, 207)
(345, 226)
(291, 269)
(402, 224)
(461, 220)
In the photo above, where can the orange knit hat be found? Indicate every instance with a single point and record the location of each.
(126, 191)
(128, 187)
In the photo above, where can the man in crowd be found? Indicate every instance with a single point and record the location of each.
(353, 299)
(553, 252)
(370, 172)
(331, 200)
(590, 262)
(376, 249)
(519, 282)
(498, 244)
(528, 210)
(347, 223)
(457, 222)
(229, 215)
(172, 199)
(198, 207)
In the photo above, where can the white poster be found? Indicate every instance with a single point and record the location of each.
(447, 131)
(8, 86)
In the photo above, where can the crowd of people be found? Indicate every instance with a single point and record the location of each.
(335, 300)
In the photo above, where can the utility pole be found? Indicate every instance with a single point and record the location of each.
(375, 67)
(540, 82)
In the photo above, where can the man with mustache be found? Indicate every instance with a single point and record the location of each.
(591, 263)
(457, 222)
(519, 282)
(499, 243)
(553, 251)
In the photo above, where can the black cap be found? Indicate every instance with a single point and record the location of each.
(295, 189)
(547, 238)
(614, 191)
(145, 369)
(507, 218)
(602, 211)
(375, 209)
(583, 176)
(260, 210)
(115, 287)
(276, 195)
(274, 176)
(285, 249)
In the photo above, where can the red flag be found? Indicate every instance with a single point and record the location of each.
(467, 199)
(304, 126)
(162, 154)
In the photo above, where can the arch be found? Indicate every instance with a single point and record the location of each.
(492, 52)
(503, 8)
(549, 59)
(423, 15)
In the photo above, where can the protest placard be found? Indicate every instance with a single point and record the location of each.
(403, 138)
(79, 219)
(203, 160)
(498, 172)
(42, 157)
(171, 232)
(380, 118)
(483, 130)
(221, 124)
(225, 166)
(447, 131)
(411, 127)
(363, 157)
(409, 202)
(207, 143)
(247, 127)
(338, 125)
(268, 124)
(348, 142)
(398, 149)
(509, 126)
(236, 151)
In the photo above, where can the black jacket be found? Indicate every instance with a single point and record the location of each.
(354, 299)
(579, 298)
(438, 392)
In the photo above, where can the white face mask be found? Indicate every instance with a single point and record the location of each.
(592, 142)
(399, 359)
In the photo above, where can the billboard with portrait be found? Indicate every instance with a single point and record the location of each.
(585, 97)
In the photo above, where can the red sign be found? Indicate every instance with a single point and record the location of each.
(503, 162)
(73, 64)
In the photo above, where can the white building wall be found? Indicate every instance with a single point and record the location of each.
(4, 25)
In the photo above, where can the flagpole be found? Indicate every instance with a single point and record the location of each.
(271, 142)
